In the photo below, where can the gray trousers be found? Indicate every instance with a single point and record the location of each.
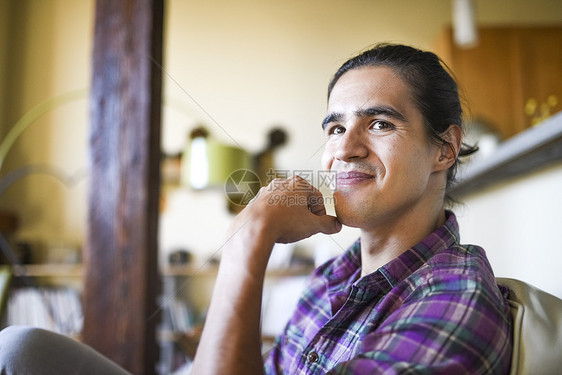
(34, 351)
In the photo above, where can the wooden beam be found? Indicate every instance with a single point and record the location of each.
(121, 279)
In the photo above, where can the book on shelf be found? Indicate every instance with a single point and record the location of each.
(180, 315)
(54, 309)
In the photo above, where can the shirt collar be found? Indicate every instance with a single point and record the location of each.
(346, 269)
(443, 238)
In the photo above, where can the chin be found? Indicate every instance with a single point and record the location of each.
(349, 217)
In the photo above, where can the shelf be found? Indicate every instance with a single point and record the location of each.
(190, 340)
(49, 270)
(188, 271)
(534, 148)
(211, 271)
(76, 270)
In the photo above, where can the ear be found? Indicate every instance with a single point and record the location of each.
(449, 150)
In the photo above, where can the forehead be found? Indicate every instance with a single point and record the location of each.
(371, 85)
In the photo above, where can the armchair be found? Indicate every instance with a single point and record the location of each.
(537, 329)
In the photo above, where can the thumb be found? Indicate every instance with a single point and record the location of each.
(329, 224)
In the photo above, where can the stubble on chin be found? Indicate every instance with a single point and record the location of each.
(349, 213)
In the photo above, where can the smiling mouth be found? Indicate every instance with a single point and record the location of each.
(352, 178)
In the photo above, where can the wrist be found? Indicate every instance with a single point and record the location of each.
(248, 246)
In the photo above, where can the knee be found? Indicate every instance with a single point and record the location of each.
(17, 343)
(18, 335)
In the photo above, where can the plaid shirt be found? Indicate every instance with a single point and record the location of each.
(435, 309)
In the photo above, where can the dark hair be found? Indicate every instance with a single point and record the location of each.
(435, 91)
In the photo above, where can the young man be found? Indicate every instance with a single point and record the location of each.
(406, 297)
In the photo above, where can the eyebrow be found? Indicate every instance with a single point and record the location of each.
(365, 112)
(332, 117)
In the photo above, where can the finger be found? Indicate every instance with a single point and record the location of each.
(311, 225)
(329, 224)
(276, 184)
(313, 197)
(316, 202)
(256, 196)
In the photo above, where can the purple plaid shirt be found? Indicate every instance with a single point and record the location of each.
(435, 309)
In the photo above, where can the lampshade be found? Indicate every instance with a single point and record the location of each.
(207, 163)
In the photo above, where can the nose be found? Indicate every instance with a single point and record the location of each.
(351, 145)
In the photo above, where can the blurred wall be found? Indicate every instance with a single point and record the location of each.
(518, 222)
(45, 52)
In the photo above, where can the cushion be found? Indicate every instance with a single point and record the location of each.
(537, 329)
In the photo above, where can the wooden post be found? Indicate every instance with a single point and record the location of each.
(121, 277)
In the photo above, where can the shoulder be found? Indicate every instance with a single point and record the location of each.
(453, 305)
(458, 279)
(459, 266)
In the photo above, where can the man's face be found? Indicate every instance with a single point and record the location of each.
(377, 143)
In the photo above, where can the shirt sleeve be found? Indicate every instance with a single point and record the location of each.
(273, 359)
(445, 332)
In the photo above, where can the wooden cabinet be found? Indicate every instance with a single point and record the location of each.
(512, 79)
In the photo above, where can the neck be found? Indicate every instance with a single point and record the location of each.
(382, 244)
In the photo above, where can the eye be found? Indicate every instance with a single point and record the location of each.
(336, 129)
(381, 125)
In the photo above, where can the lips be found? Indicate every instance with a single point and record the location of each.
(352, 178)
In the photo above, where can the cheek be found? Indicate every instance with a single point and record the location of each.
(414, 166)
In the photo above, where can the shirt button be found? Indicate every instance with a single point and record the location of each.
(312, 357)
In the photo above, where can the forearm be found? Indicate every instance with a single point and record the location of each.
(231, 341)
